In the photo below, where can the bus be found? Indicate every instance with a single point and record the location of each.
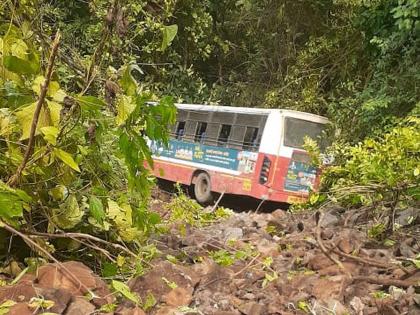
(253, 152)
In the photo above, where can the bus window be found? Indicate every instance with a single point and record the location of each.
(236, 139)
(297, 129)
(180, 130)
(250, 140)
(200, 132)
(224, 134)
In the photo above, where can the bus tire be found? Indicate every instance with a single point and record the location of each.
(202, 188)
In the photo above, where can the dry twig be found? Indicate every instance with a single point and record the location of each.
(387, 281)
(30, 242)
(369, 262)
(84, 236)
(324, 249)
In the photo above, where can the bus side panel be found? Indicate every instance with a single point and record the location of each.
(244, 184)
(173, 172)
(220, 182)
(229, 184)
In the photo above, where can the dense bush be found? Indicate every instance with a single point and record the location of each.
(85, 169)
(378, 174)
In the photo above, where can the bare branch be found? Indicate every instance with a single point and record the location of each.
(44, 88)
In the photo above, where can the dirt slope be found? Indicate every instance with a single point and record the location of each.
(248, 264)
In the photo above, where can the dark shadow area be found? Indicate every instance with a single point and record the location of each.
(235, 202)
(245, 203)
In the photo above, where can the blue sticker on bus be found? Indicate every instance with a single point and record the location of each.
(300, 177)
(228, 158)
(198, 153)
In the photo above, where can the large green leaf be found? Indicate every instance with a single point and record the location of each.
(69, 214)
(50, 134)
(122, 288)
(53, 91)
(19, 48)
(169, 33)
(89, 103)
(19, 65)
(49, 116)
(12, 203)
(127, 81)
(66, 158)
(125, 107)
(96, 209)
(121, 215)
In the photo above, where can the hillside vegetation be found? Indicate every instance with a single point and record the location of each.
(76, 78)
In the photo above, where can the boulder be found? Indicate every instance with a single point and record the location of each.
(156, 281)
(20, 309)
(21, 292)
(233, 233)
(80, 306)
(178, 297)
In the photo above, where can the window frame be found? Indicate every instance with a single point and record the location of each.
(221, 142)
(198, 137)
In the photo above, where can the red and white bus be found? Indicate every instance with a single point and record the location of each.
(242, 151)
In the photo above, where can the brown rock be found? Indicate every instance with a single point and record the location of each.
(27, 278)
(319, 261)
(167, 310)
(19, 292)
(80, 306)
(52, 276)
(339, 309)
(327, 234)
(335, 270)
(20, 309)
(346, 246)
(280, 215)
(178, 297)
(267, 248)
(205, 267)
(153, 281)
(324, 289)
(252, 308)
(370, 311)
(386, 309)
(60, 297)
(130, 311)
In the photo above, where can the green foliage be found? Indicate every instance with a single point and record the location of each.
(354, 61)
(123, 289)
(223, 257)
(87, 172)
(391, 162)
(186, 210)
(5, 306)
(169, 33)
(381, 174)
(12, 203)
(227, 258)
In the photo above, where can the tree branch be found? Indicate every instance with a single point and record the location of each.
(324, 249)
(35, 245)
(44, 88)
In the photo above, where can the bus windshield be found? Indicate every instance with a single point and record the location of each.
(297, 129)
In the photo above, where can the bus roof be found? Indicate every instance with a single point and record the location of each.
(244, 110)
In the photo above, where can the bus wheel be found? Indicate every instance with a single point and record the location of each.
(202, 188)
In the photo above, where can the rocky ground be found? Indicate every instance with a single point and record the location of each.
(252, 264)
